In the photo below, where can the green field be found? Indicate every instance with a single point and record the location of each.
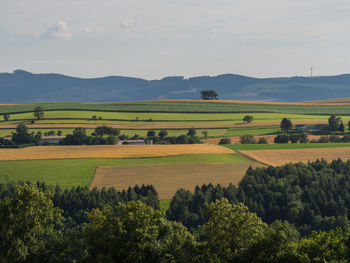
(133, 117)
(281, 146)
(130, 133)
(263, 130)
(164, 205)
(157, 118)
(73, 172)
(183, 106)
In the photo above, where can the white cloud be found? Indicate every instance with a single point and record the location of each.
(59, 31)
(96, 29)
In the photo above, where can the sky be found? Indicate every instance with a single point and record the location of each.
(152, 39)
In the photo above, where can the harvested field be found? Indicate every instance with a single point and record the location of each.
(108, 151)
(167, 179)
(280, 157)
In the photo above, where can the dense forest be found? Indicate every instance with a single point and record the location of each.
(293, 213)
(314, 196)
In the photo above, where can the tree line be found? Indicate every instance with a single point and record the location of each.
(313, 196)
(33, 229)
(75, 202)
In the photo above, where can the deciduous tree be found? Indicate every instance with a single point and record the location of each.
(27, 219)
(334, 122)
(248, 119)
(286, 124)
(38, 112)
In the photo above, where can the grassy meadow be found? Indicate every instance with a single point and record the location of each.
(183, 106)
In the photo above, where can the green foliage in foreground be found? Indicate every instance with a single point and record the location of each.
(79, 172)
(135, 232)
(27, 220)
(251, 147)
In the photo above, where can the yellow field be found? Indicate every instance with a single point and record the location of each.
(280, 157)
(168, 178)
(108, 151)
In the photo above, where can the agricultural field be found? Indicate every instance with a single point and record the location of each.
(280, 157)
(168, 178)
(74, 172)
(342, 108)
(219, 118)
(167, 167)
(107, 151)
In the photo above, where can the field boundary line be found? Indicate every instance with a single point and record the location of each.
(250, 158)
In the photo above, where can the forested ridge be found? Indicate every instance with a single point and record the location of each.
(293, 213)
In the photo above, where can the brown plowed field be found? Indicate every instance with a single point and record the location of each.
(236, 139)
(168, 178)
(280, 157)
(108, 151)
(154, 126)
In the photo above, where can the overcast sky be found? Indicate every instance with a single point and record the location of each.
(157, 38)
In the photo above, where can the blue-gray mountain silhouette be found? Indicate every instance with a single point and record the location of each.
(22, 86)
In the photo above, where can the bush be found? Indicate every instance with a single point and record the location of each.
(346, 138)
(225, 141)
(262, 141)
(194, 140)
(112, 139)
(123, 137)
(294, 138)
(247, 139)
(182, 139)
(59, 133)
(94, 117)
(303, 138)
(334, 138)
(6, 116)
(135, 137)
(282, 138)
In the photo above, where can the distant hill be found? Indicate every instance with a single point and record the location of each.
(22, 86)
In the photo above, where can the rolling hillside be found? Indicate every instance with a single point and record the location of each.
(22, 86)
